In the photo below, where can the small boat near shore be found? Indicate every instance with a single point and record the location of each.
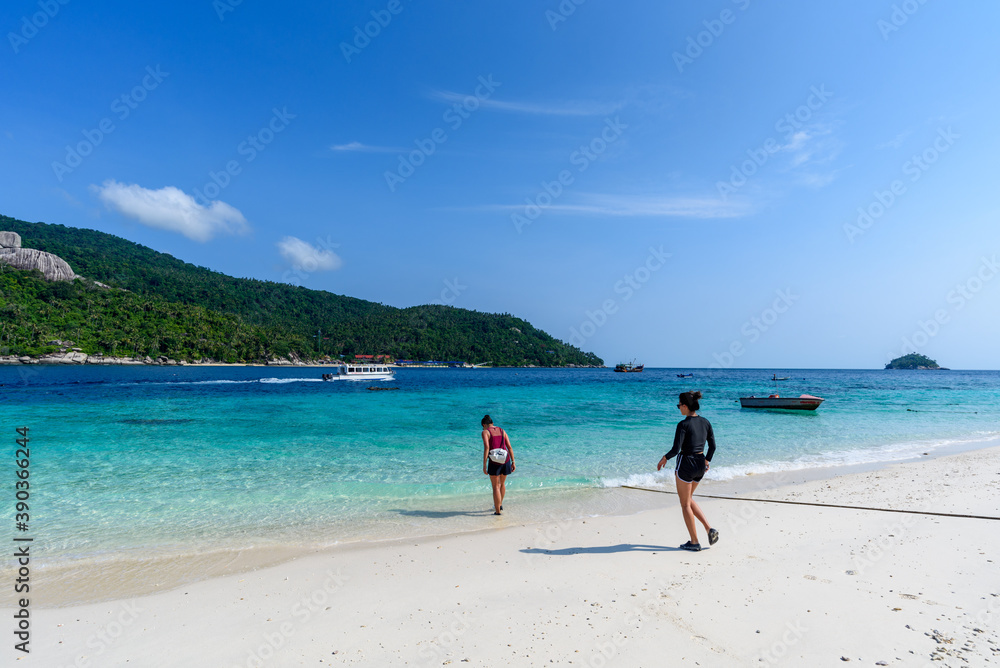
(362, 372)
(803, 402)
(685, 375)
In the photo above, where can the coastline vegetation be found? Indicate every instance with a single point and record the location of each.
(152, 304)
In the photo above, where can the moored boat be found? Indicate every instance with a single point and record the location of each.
(685, 375)
(629, 367)
(804, 402)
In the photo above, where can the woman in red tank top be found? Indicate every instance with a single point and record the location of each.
(495, 438)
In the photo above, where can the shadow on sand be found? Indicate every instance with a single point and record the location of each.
(603, 549)
(443, 514)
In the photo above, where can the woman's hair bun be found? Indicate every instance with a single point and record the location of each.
(690, 399)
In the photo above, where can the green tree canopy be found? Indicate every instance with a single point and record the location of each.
(159, 305)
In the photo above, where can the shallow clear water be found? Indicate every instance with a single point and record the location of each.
(140, 460)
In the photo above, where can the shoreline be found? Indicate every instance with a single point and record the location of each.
(69, 361)
(778, 479)
(786, 585)
(149, 573)
(52, 360)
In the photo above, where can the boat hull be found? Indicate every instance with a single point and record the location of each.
(361, 372)
(804, 403)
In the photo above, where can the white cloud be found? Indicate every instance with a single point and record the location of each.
(171, 209)
(547, 109)
(641, 206)
(816, 144)
(306, 257)
(818, 180)
(655, 207)
(798, 140)
(896, 141)
(811, 151)
(357, 146)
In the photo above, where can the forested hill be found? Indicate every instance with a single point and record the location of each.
(913, 361)
(254, 319)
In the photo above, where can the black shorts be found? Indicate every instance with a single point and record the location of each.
(499, 469)
(690, 468)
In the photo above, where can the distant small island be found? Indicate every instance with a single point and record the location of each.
(914, 361)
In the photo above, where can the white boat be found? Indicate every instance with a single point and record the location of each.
(362, 372)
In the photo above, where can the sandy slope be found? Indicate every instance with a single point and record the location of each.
(786, 585)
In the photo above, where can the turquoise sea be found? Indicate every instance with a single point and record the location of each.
(130, 464)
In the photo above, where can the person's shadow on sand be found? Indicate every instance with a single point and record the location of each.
(603, 549)
(441, 514)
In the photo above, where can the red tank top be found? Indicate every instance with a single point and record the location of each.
(497, 439)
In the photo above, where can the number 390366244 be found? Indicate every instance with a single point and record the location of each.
(22, 461)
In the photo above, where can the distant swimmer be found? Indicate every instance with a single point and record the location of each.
(498, 460)
(693, 433)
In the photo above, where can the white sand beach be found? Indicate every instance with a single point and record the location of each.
(786, 585)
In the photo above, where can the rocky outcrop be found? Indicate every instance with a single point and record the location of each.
(63, 358)
(68, 354)
(291, 360)
(10, 240)
(53, 267)
(77, 357)
(107, 359)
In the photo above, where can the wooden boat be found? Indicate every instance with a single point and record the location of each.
(775, 377)
(804, 402)
(629, 367)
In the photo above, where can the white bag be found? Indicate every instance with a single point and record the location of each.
(498, 455)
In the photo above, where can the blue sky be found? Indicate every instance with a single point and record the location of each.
(697, 168)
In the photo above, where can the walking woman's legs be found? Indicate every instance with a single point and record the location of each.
(495, 481)
(684, 492)
(696, 509)
(503, 488)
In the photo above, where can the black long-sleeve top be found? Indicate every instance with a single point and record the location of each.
(693, 432)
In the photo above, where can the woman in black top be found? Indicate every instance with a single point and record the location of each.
(693, 433)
